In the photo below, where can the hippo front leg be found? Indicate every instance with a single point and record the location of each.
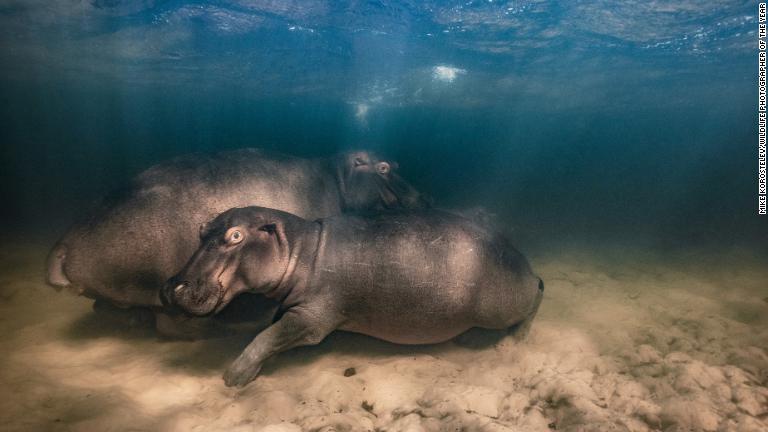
(297, 327)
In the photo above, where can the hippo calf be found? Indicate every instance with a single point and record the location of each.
(407, 277)
(123, 253)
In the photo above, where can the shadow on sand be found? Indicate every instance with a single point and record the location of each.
(94, 326)
(204, 355)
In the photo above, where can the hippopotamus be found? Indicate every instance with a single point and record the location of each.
(124, 252)
(416, 277)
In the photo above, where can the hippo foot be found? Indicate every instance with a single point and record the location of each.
(186, 328)
(241, 372)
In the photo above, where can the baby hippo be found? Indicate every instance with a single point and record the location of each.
(409, 278)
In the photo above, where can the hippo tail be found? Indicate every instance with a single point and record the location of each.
(55, 272)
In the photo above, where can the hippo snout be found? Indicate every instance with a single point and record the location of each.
(170, 292)
(56, 276)
(183, 296)
(177, 288)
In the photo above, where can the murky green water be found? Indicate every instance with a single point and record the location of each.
(615, 141)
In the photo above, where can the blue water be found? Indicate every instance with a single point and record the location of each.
(587, 119)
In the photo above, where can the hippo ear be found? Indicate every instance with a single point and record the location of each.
(274, 232)
(271, 228)
(205, 228)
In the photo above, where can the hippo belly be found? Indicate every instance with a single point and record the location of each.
(403, 332)
(415, 309)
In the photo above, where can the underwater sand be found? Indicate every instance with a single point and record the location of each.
(624, 340)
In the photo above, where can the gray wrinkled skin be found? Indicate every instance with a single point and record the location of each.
(125, 252)
(407, 277)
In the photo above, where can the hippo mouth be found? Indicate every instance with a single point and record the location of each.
(222, 291)
(199, 292)
(397, 193)
(220, 304)
(179, 297)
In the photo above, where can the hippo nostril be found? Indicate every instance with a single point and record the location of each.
(541, 285)
(180, 287)
(170, 293)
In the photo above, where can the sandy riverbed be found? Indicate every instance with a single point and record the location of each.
(625, 340)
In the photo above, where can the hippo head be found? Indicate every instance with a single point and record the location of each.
(241, 249)
(367, 182)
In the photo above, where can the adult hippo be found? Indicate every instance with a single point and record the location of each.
(408, 277)
(123, 254)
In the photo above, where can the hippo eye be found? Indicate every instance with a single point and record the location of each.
(234, 236)
(382, 168)
(359, 162)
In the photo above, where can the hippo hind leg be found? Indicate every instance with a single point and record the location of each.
(484, 337)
